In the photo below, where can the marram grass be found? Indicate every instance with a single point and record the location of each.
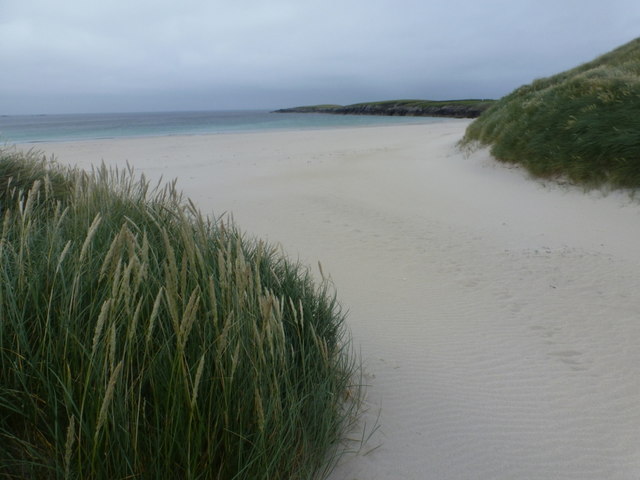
(582, 124)
(139, 339)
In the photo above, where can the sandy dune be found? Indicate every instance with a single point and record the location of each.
(498, 317)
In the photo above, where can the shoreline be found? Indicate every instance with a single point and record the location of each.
(239, 132)
(496, 315)
(88, 127)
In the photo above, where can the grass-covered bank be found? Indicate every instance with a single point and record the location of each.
(582, 124)
(139, 339)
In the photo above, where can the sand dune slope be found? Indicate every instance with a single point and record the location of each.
(498, 317)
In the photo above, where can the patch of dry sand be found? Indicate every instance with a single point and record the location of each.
(498, 318)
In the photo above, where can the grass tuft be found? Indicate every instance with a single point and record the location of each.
(582, 124)
(141, 339)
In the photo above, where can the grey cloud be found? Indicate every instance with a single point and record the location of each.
(244, 53)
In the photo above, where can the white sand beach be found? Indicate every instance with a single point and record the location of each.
(498, 317)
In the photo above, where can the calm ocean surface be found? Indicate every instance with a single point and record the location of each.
(57, 128)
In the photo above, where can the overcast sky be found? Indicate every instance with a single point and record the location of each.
(67, 56)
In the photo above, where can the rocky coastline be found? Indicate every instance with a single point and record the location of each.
(414, 108)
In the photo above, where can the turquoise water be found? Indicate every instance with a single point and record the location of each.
(57, 128)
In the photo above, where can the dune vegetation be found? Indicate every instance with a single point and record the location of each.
(581, 125)
(140, 339)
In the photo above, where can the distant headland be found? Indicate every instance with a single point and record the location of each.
(470, 108)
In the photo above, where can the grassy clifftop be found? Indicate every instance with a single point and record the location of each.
(471, 108)
(582, 124)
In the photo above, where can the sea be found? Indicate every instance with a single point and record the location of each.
(72, 127)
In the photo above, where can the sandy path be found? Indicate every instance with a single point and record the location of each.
(498, 318)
